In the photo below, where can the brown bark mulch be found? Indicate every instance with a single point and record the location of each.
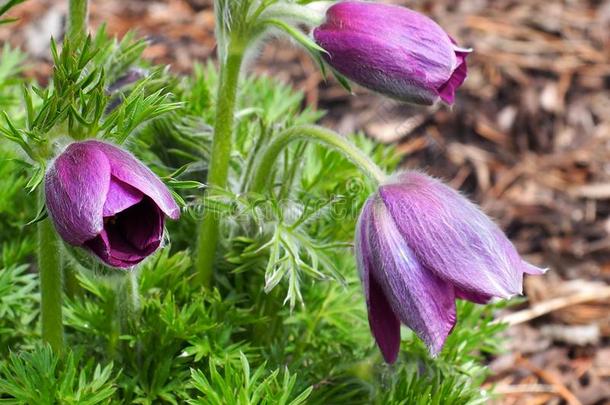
(528, 138)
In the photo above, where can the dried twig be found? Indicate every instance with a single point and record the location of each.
(545, 307)
(551, 378)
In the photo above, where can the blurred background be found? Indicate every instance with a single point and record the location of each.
(528, 139)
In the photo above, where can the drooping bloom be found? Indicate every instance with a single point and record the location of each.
(392, 50)
(103, 199)
(420, 245)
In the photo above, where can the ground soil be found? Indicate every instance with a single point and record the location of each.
(528, 138)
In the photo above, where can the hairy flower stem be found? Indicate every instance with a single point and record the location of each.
(50, 268)
(71, 283)
(219, 161)
(122, 309)
(78, 17)
(114, 329)
(129, 302)
(263, 169)
(303, 14)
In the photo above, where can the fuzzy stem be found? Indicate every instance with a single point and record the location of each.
(71, 285)
(309, 15)
(263, 168)
(129, 301)
(122, 309)
(78, 17)
(114, 330)
(50, 268)
(219, 161)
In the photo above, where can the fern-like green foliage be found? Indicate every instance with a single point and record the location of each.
(5, 7)
(9, 68)
(41, 377)
(286, 323)
(18, 307)
(241, 386)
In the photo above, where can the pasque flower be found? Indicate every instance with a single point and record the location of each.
(420, 245)
(103, 199)
(392, 50)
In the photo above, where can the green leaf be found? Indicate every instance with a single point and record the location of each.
(37, 178)
(8, 5)
(343, 81)
(42, 215)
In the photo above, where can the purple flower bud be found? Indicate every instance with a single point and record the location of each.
(393, 50)
(103, 199)
(420, 245)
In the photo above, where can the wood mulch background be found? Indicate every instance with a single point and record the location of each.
(528, 138)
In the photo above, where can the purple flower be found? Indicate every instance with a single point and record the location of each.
(393, 50)
(420, 245)
(103, 199)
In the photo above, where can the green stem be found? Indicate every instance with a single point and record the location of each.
(129, 302)
(263, 169)
(219, 161)
(77, 21)
(292, 171)
(76, 33)
(50, 268)
(247, 174)
(287, 11)
(71, 284)
(122, 309)
(114, 330)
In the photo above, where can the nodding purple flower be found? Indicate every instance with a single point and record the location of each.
(392, 50)
(103, 199)
(420, 245)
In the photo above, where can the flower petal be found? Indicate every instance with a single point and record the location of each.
(420, 299)
(76, 186)
(471, 296)
(115, 253)
(531, 269)
(130, 236)
(397, 74)
(447, 90)
(452, 237)
(142, 226)
(120, 197)
(384, 324)
(130, 170)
